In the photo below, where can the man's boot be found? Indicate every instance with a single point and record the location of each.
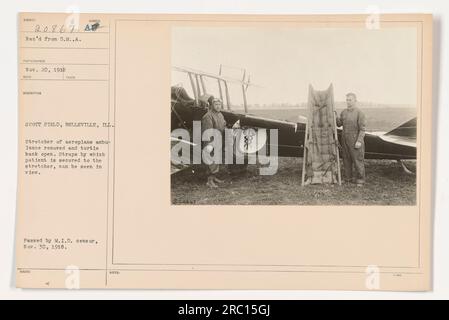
(218, 180)
(210, 182)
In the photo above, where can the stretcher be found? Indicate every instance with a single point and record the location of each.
(321, 161)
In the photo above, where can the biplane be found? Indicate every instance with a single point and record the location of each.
(398, 144)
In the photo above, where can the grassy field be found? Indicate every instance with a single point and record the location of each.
(386, 182)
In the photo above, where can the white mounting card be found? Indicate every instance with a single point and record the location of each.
(114, 185)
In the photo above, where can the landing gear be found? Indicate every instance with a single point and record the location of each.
(404, 167)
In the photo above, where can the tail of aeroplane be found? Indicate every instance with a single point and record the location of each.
(406, 130)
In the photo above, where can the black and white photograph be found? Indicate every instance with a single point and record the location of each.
(291, 152)
(294, 115)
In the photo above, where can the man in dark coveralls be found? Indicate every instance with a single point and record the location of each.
(353, 146)
(213, 119)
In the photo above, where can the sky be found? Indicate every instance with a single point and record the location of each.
(380, 66)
